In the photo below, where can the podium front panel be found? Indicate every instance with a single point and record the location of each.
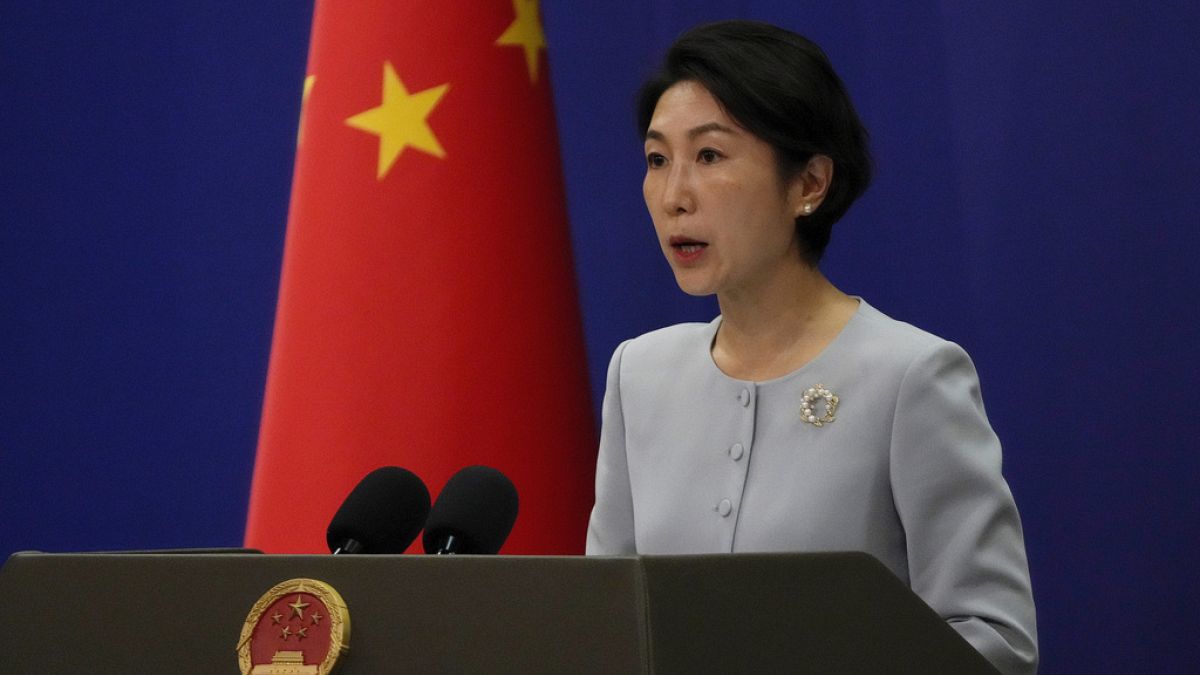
(653, 615)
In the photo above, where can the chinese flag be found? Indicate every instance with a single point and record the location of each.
(427, 313)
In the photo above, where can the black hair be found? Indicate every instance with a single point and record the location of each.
(781, 87)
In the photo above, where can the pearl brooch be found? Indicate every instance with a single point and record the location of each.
(808, 402)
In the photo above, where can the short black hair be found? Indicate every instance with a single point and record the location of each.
(781, 87)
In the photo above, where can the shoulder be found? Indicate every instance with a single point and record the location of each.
(877, 328)
(641, 365)
(880, 342)
(682, 341)
(928, 378)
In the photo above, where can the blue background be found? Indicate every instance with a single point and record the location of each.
(1038, 167)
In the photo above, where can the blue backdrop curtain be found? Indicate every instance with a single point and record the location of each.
(1038, 166)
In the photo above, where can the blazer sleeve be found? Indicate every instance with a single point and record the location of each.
(610, 529)
(966, 552)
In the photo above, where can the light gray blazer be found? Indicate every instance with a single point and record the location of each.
(693, 461)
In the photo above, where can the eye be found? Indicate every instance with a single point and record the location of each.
(708, 156)
(655, 160)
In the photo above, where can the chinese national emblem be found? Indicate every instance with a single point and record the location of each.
(299, 627)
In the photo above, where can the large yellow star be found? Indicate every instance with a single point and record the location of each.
(526, 31)
(400, 120)
(298, 607)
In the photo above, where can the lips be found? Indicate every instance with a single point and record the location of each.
(687, 249)
(687, 243)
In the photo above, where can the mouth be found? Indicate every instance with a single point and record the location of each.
(687, 249)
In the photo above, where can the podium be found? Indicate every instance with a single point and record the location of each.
(654, 615)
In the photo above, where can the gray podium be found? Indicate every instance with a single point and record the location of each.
(771, 613)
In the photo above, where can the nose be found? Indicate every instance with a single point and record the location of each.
(678, 194)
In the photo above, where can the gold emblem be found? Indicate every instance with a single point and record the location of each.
(809, 401)
(315, 632)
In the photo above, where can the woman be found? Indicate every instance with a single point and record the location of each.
(801, 418)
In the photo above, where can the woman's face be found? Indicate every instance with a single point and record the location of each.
(724, 219)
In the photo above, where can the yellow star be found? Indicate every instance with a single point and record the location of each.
(276, 617)
(526, 32)
(309, 81)
(316, 618)
(285, 633)
(400, 120)
(302, 633)
(298, 607)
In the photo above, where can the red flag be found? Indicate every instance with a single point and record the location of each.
(427, 311)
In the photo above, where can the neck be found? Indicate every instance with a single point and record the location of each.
(779, 325)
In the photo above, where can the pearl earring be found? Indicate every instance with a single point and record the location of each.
(807, 208)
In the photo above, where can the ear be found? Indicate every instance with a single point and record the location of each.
(807, 189)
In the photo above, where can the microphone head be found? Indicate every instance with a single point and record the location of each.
(477, 508)
(383, 513)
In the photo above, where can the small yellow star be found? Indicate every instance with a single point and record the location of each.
(526, 32)
(298, 607)
(302, 633)
(309, 81)
(276, 617)
(285, 633)
(316, 618)
(399, 121)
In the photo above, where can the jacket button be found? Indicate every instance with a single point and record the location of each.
(724, 508)
(744, 397)
(736, 451)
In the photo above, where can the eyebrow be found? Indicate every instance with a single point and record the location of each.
(692, 133)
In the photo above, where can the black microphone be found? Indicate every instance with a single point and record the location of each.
(382, 514)
(474, 513)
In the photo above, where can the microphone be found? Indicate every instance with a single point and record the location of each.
(382, 514)
(473, 514)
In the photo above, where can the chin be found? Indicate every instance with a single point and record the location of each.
(694, 287)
